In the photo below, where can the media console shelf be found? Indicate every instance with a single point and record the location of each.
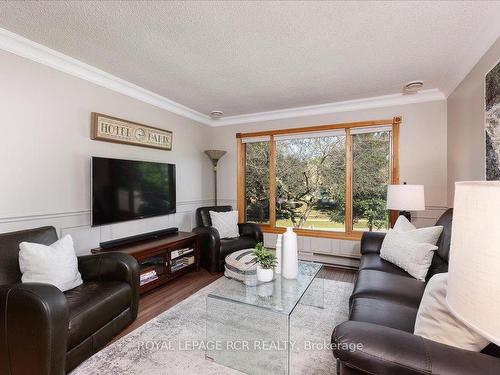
(162, 259)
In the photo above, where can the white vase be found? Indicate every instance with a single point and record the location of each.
(290, 259)
(264, 274)
(279, 258)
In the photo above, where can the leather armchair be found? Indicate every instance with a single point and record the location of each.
(49, 332)
(215, 249)
(34, 324)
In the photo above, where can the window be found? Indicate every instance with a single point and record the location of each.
(310, 182)
(325, 181)
(257, 182)
(371, 164)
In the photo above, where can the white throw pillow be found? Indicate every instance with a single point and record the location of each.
(436, 322)
(226, 223)
(410, 248)
(403, 224)
(412, 256)
(55, 264)
(422, 235)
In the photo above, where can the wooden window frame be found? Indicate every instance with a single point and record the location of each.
(348, 233)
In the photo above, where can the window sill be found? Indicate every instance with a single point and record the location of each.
(353, 236)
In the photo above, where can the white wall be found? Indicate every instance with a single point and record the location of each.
(45, 151)
(422, 160)
(466, 124)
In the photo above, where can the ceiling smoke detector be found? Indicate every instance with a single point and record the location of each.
(216, 114)
(412, 87)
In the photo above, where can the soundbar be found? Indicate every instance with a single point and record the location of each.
(139, 237)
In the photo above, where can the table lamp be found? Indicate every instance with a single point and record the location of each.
(405, 198)
(474, 267)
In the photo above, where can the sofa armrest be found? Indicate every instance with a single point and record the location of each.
(383, 350)
(113, 266)
(209, 240)
(371, 242)
(33, 329)
(251, 230)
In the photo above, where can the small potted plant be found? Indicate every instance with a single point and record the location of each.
(266, 261)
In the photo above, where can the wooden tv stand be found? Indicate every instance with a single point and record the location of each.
(160, 258)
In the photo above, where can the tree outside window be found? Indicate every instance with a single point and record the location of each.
(311, 182)
(370, 176)
(257, 182)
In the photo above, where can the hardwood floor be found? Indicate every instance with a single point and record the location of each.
(168, 295)
(337, 274)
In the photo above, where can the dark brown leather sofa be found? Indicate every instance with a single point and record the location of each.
(383, 309)
(44, 331)
(215, 249)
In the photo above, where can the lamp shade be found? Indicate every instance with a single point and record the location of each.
(215, 155)
(473, 293)
(405, 197)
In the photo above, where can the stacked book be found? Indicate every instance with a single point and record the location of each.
(188, 260)
(177, 253)
(177, 264)
(148, 276)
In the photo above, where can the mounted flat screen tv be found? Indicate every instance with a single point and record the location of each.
(125, 190)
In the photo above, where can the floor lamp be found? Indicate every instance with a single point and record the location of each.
(215, 156)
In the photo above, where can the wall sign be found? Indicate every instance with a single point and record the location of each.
(112, 129)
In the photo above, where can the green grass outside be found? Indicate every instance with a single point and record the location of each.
(324, 225)
(319, 221)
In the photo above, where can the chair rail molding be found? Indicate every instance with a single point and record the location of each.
(86, 237)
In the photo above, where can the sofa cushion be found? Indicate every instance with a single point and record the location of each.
(385, 313)
(421, 235)
(94, 304)
(388, 286)
(226, 223)
(402, 224)
(54, 264)
(230, 245)
(412, 256)
(375, 262)
(203, 214)
(436, 322)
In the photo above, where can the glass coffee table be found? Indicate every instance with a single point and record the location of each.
(248, 327)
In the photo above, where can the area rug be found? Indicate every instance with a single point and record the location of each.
(172, 343)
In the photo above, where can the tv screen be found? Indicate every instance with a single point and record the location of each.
(128, 190)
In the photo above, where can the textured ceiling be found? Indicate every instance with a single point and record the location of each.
(245, 57)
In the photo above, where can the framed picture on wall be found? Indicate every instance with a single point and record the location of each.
(112, 129)
(492, 110)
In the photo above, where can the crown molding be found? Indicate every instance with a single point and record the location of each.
(336, 107)
(31, 50)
